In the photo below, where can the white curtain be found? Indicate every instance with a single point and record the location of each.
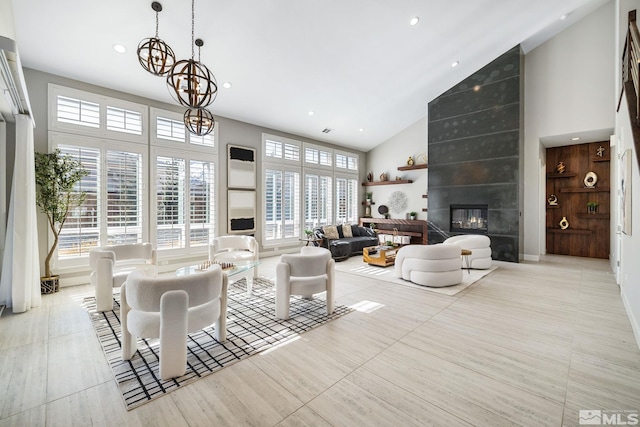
(20, 282)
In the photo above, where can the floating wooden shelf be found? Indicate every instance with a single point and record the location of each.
(568, 231)
(390, 182)
(425, 196)
(416, 228)
(561, 175)
(425, 210)
(409, 168)
(584, 190)
(594, 216)
(364, 203)
(598, 159)
(553, 206)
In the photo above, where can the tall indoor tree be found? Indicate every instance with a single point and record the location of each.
(56, 177)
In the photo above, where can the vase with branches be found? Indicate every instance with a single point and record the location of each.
(56, 177)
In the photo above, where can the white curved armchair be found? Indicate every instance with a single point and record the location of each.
(480, 247)
(111, 265)
(169, 308)
(429, 265)
(234, 248)
(310, 272)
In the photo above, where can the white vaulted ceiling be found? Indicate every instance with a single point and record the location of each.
(354, 63)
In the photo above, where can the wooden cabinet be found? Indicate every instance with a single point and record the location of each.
(588, 233)
(416, 228)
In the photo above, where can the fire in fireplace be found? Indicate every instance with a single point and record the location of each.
(469, 219)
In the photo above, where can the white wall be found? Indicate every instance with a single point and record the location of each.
(629, 278)
(395, 152)
(630, 247)
(569, 88)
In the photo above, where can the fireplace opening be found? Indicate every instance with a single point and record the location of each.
(469, 219)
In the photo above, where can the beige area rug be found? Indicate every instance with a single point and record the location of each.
(355, 265)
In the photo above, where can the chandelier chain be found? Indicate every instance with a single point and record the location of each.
(157, 25)
(193, 20)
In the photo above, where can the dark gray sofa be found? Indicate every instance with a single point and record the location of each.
(343, 247)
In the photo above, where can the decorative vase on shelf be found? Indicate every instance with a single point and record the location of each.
(410, 161)
(564, 224)
(590, 179)
(384, 177)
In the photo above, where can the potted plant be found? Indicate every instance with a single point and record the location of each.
(592, 207)
(308, 233)
(56, 176)
(413, 214)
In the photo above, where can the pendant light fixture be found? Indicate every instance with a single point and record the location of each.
(199, 121)
(154, 55)
(190, 82)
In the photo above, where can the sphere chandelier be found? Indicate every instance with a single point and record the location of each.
(155, 55)
(190, 82)
(199, 121)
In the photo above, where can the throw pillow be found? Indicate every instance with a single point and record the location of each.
(355, 230)
(330, 231)
(346, 230)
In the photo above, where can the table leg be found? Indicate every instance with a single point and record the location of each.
(249, 278)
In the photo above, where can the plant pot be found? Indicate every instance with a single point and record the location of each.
(49, 285)
(412, 217)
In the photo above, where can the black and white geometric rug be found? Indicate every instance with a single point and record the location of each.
(251, 328)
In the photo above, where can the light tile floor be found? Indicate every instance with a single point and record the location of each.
(530, 344)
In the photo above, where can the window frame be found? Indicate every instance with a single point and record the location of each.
(103, 102)
(188, 156)
(186, 143)
(102, 145)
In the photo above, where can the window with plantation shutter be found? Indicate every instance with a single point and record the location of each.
(172, 130)
(281, 150)
(77, 112)
(347, 162)
(316, 156)
(201, 203)
(81, 231)
(273, 149)
(207, 140)
(346, 200)
(122, 120)
(185, 207)
(170, 202)
(282, 204)
(318, 201)
(292, 152)
(124, 197)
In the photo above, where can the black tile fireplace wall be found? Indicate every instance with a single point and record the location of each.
(474, 145)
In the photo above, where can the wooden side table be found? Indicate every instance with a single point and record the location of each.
(465, 256)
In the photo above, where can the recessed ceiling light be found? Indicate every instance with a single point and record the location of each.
(414, 21)
(455, 64)
(476, 88)
(226, 85)
(311, 112)
(575, 138)
(565, 16)
(361, 129)
(119, 48)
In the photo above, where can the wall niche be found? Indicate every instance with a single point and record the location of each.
(584, 201)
